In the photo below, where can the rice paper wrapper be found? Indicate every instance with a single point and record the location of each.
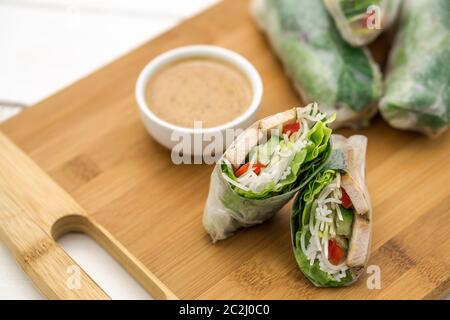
(322, 65)
(361, 22)
(226, 211)
(349, 154)
(417, 88)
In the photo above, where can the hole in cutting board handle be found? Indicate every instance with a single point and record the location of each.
(101, 267)
(83, 225)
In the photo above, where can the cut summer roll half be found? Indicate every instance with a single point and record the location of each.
(361, 21)
(323, 66)
(264, 167)
(332, 216)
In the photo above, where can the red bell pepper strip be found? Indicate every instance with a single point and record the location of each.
(257, 167)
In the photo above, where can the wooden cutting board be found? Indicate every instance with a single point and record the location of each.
(122, 189)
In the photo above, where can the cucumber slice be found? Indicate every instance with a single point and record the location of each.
(344, 227)
(265, 151)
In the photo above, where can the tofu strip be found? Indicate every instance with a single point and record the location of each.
(355, 193)
(238, 151)
(352, 182)
(278, 120)
(359, 243)
(250, 138)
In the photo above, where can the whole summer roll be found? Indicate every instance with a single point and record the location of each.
(417, 87)
(264, 167)
(332, 217)
(322, 65)
(361, 21)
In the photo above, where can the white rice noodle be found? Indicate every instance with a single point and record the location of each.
(339, 213)
(286, 173)
(338, 181)
(322, 226)
(302, 242)
(235, 183)
(324, 219)
(311, 113)
(332, 200)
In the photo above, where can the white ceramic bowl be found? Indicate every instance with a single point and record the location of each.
(164, 132)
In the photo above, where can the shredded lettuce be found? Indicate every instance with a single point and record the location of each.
(318, 137)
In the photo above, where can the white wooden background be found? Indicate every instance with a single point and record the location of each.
(46, 45)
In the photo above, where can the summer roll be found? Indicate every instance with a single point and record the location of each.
(417, 88)
(264, 167)
(322, 65)
(361, 21)
(332, 217)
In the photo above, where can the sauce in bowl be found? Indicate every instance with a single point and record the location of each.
(198, 89)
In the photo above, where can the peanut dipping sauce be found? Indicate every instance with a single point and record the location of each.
(199, 89)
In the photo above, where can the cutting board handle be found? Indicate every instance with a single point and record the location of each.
(88, 226)
(54, 272)
(34, 211)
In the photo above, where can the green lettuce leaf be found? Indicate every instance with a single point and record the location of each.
(318, 137)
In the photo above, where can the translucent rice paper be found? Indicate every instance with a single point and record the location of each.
(417, 93)
(349, 154)
(226, 211)
(361, 21)
(322, 66)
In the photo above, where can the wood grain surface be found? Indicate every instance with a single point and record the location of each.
(90, 140)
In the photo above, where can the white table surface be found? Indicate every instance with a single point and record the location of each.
(45, 45)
